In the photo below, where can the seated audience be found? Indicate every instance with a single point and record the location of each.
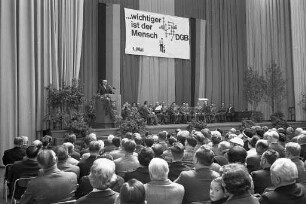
(52, 185)
(86, 163)
(167, 153)
(273, 140)
(28, 167)
(292, 151)
(177, 165)
(253, 161)
(132, 191)
(119, 152)
(158, 150)
(109, 146)
(189, 151)
(89, 138)
(217, 192)
(283, 176)
(197, 181)
(182, 135)
(223, 147)
(200, 139)
(160, 189)
(47, 141)
(37, 143)
(139, 142)
(237, 154)
(149, 141)
(102, 175)
(70, 149)
(162, 137)
(262, 178)
(76, 148)
(15, 154)
(62, 164)
(216, 138)
(252, 145)
(142, 172)
(129, 161)
(238, 184)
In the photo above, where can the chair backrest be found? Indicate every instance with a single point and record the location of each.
(8, 167)
(66, 202)
(20, 185)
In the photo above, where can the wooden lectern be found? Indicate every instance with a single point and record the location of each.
(104, 120)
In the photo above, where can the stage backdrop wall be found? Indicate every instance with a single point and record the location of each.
(40, 44)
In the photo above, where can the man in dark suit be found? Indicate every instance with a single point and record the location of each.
(253, 161)
(15, 154)
(105, 88)
(28, 167)
(86, 163)
(197, 181)
(230, 113)
(283, 176)
(262, 178)
(102, 175)
(52, 185)
(177, 166)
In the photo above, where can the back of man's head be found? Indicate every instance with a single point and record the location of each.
(116, 141)
(273, 136)
(177, 151)
(149, 141)
(37, 143)
(94, 147)
(283, 172)
(204, 155)
(158, 149)
(145, 156)
(32, 151)
(270, 156)
(61, 153)
(69, 146)
(46, 158)
(89, 138)
(138, 140)
(292, 149)
(261, 146)
(18, 141)
(129, 146)
(237, 154)
(70, 138)
(199, 137)
(162, 136)
(216, 137)
(191, 141)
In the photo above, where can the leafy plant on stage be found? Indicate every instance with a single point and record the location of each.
(254, 86)
(196, 125)
(132, 123)
(278, 121)
(275, 87)
(66, 107)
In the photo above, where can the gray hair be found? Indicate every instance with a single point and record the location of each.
(158, 169)
(285, 170)
(102, 173)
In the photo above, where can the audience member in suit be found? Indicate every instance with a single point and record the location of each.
(167, 155)
(189, 151)
(237, 154)
(162, 137)
(238, 184)
(139, 142)
(292, 151)
(252, 145)
(177, 165)
(253, 161)
(129, 161)
(85, 164)
(102, 175)
(160, 189)
(47, 142)
(119, 152)
(158, 150)
(216, 138)
(52, 185)
(262, 177)
(15, 154)
(70, 159)
(283, 176)
(72, 139)
(142, 172)
(109, 146)
(200, 139)
(223, 147)
(28, 167)
(89, 138)
(273, 140)
(62, 164)
(132, 191)
(197, 181)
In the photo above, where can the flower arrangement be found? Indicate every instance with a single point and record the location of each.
(196, 125)
(132, 123)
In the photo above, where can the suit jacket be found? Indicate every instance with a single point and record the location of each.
(85, 186)
(175, 169)
(279, 148)
(196, 183)
(105, 90)
(50, 187)
(164, 192)
(141, 174)
(290, 194)
(64, 166)
(25, 168)
(243, 199)
(107, 196)
(75, 155)
(12, 155)
(125, 164)
(261, 180)
(253, 162)
(85, 165)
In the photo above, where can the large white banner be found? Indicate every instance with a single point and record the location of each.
(156, 35)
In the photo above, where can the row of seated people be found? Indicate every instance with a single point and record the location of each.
(249, 166)
(161, 113)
